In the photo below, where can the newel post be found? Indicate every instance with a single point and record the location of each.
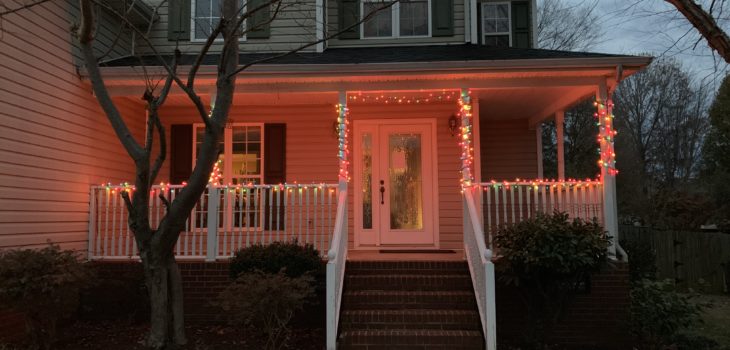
(212, 242)
(607, 163)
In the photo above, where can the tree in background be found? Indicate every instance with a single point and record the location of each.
(568, 27)
(716, 155)
(662, 118)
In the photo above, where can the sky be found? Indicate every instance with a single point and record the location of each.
(657, 28)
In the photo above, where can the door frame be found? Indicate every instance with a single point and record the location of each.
(357, 180)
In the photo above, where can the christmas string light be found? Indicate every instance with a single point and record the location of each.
(540, 183)
(465, 139)
(215, 175)
(606, 135)
(343, 149)
(396, 98)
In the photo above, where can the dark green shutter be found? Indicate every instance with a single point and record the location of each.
(521, 24)
(181, 153)
(348, 15)
(259, 20)
(442, 17)
(274, 170)
(178, 20)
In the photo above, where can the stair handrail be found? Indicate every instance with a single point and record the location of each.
(481, 268)
(336, 259)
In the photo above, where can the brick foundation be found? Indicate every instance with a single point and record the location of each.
(593, 320)
(12, 325)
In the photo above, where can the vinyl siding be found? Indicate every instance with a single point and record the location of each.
(457, 38)
(292, 27)
(54, 140)
(508, 149)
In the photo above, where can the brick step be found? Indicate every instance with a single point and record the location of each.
(446, 319)
(411, 339)
(408, 282)
(406, 271)
(401, 299)
(413, 267)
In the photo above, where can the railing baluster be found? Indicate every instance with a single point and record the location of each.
(314, 212)
(248, 217)
(278, 213)
(301, 216)
(504, 205)
(512, 202)
(271, 214)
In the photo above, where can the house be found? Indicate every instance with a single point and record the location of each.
(416, 131)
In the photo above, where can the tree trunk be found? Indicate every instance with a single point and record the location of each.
(164, 284)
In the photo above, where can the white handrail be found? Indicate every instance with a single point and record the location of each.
(225, 219)
(481, 268)
(336, 260)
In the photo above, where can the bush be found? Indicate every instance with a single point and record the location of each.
(295, 259)
(550, 257)
(266, 302)
(121, 295)
(642, 259)
(44, 285)
(660, 316)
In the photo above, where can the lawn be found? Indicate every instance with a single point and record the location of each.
(716, 319)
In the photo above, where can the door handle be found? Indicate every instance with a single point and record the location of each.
(382, 192)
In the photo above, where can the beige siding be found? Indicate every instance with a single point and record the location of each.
(293, 26)
(312, 148)
(54, 140)
(508, 150)
(457, 38)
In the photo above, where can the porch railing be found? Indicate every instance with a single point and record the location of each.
(481, 267)
(225, 219)
(336, 261)
(505, 203)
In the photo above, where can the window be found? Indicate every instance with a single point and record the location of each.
(407, 18)
(205, 16)
(496, 24)
(241, 152)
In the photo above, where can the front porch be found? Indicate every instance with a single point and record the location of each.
(432, 159)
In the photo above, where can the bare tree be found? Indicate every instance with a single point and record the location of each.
(704, 22)
(162, 275)
(564, 26)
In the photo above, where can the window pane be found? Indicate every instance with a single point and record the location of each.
(502, 11)
(489, 26)
(202, 8)
(414, 18)
(379, 24)
(496, 40)
(405, 181)
(502, 25)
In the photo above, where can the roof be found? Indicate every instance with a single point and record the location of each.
(374, 55)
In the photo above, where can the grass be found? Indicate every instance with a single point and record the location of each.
(716, 319)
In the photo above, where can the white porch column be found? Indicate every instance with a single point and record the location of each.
(560, 139)
(608, 177)
(342, 124)
(538, 139)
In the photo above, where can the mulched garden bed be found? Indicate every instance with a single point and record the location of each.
(118, 336)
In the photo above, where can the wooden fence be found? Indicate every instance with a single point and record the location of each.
(697, 260)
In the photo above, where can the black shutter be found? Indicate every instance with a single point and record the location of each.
(178, 20)
(274, 169)
(259, 20)
(181, 153)
(348, 14)
(521, 24)
(442, 17)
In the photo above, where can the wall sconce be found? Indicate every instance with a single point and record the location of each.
(454, 124)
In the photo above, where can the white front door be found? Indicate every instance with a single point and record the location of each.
(395, 184)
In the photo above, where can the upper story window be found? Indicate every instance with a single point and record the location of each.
(205, 16)
(496, 24)
(407, 18)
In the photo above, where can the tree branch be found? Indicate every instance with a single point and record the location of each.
(716, 38)
(163, 148)
(26, 6)
(85, 36)
(164, 201)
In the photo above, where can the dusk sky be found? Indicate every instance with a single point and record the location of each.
(654, 26)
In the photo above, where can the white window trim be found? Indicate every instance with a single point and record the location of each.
(228, 150)
(509, 21)
(395, 18)
(217, 40)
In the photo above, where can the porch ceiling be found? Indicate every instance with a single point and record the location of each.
(535, 104)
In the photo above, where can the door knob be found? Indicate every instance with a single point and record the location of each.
(382, 192)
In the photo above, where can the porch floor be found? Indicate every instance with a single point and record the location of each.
(377, 255)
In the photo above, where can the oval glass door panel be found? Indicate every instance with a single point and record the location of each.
(405, 181)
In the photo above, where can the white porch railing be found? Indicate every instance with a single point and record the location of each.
(225, 219)
(481, 268)
(507, 203)
(336, 260)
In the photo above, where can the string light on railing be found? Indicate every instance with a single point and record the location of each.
(539, 183)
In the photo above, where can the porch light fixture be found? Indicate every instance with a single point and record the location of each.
(453, 124)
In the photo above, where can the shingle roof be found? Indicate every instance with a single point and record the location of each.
(365, 55)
